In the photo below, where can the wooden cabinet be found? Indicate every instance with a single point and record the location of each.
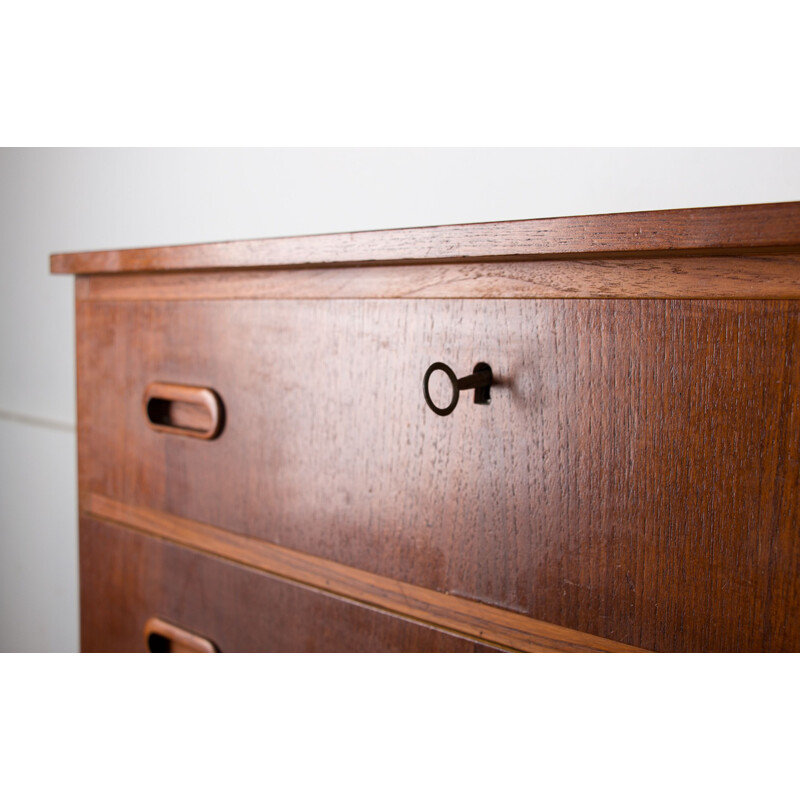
(633, 483)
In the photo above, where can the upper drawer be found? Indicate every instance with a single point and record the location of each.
(635, 475)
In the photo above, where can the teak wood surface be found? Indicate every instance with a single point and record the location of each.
(759, 277)
(635, 476)
(727, 229)
(498, 627)
(127, 578)
(634, 481)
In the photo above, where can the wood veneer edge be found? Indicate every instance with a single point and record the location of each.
(724, 228)
(775, 277)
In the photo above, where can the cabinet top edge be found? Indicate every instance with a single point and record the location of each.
(727, 229)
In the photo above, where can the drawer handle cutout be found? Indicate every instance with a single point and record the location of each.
(480, 381)
(183, 410)
(164, 637)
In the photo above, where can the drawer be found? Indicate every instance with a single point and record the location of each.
(634, 477)
(132, 584)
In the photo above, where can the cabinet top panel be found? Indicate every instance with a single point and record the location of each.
(726, 230)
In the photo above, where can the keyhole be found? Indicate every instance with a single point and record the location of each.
(482, 392)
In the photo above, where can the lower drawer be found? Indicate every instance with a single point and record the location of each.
(129, 579)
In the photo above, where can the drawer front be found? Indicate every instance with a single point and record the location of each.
(133, 585)
(635, 475)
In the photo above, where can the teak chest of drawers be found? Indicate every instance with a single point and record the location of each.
(259, 467)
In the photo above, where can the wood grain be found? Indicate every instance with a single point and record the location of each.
(756, 276)
(464, 617)
(635, 478)
(128, 578)
(733, 228)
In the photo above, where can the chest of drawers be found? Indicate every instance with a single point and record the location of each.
(260, 468)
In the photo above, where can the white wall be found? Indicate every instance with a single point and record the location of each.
(66, 200)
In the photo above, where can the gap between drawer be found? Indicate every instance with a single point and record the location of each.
(488, 624)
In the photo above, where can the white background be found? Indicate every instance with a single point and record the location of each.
(356, 73)
(60, 200)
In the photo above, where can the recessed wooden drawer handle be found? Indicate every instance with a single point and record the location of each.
(163, 637)
(184, 410)
(480, 381)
